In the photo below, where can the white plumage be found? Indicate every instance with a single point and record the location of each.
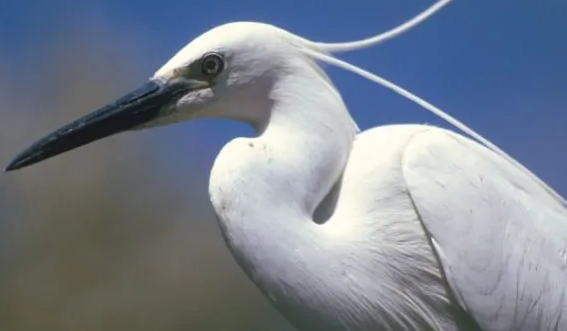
(401, 227)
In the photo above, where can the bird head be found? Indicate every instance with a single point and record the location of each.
(226, 72)
(229, 72)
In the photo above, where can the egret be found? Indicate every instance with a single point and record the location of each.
(400, 227)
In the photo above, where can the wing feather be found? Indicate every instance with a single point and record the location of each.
(500, 238)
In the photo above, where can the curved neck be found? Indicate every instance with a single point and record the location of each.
(266, 189)
(309, 136)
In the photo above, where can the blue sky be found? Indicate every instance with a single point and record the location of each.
(499, 66)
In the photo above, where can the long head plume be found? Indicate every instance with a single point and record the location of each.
(385, 36)
(322, 51)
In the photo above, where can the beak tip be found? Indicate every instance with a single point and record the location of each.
(14, 165)
(20, 162)
(9, 168)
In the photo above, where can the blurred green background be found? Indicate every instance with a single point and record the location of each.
(120, 235)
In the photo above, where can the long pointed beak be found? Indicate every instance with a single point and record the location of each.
(132, 110)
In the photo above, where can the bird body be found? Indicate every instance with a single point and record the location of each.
(383, 259)
(369, 263)
(400, 227)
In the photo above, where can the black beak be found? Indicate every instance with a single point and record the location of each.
(132, 110)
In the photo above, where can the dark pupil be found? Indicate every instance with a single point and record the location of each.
(211, 65)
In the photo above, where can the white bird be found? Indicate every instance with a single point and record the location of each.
(401, 227)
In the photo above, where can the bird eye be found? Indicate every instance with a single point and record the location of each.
(212, 64)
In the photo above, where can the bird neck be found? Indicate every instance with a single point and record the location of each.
(309, 137)
(266, 189)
